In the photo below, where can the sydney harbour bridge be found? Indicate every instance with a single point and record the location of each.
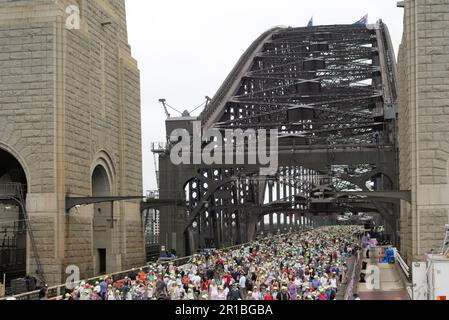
(314, 126)
(331, 94)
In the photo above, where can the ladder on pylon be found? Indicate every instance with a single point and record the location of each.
(445, 247)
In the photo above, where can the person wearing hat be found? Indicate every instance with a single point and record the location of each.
(103, 288)
(316, 282)
(179, 291)
(170, 280)
(222, 294)
(333, 282)
(256, 294)
(275, 291)
(190, 295)
(292, 290)
(182, 295)
(109, 293)
(86, 295)
(268, 295)
(197, 289)
(242, 284)
(173, 291)
(234, 293)
(322, 294)
(142, 276)
(283, 294)
(43, 292)
(324, 280)
(95, 295)
(149, 289)
(213, 290)
(118, 295)
(186, 281)
(161, 289)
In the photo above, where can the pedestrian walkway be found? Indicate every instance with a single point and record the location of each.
(306, 265)
(390, 285)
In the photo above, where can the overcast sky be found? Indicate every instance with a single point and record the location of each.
(185, 49)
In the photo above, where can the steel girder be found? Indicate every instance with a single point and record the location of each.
(330, 92)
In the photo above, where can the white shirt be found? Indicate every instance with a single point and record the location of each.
(111, 296)
(242, 282)
(256, 295)
(150, 293)
(324, 281)
(213, 292)
(333, 283)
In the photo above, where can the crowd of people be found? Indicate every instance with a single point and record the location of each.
(308, 265)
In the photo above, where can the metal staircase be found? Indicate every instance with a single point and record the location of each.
(40, 272)
(15, 192)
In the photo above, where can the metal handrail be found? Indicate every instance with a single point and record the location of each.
(355, 272)
(404, 267)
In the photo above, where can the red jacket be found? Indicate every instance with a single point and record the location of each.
(228, 278)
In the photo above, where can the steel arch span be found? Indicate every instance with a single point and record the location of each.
(330, 92)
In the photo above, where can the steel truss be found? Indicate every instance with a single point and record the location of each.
(330, 92)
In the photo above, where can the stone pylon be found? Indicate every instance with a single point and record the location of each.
(423, 125)
(70, 115)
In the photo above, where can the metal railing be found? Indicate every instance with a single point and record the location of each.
(404, 267)
(11, 189)
(159, 147)
(354, 273)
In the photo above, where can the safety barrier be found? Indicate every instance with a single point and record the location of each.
(353, 280)
(404, 267)
(56, 292)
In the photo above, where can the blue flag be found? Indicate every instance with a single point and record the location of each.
(310, 24)
(363, 21)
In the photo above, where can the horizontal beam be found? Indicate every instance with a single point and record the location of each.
(72, 202)
(158, 203)
(384, 195)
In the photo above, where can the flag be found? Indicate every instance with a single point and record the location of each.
(310, 24)
(363, 21)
